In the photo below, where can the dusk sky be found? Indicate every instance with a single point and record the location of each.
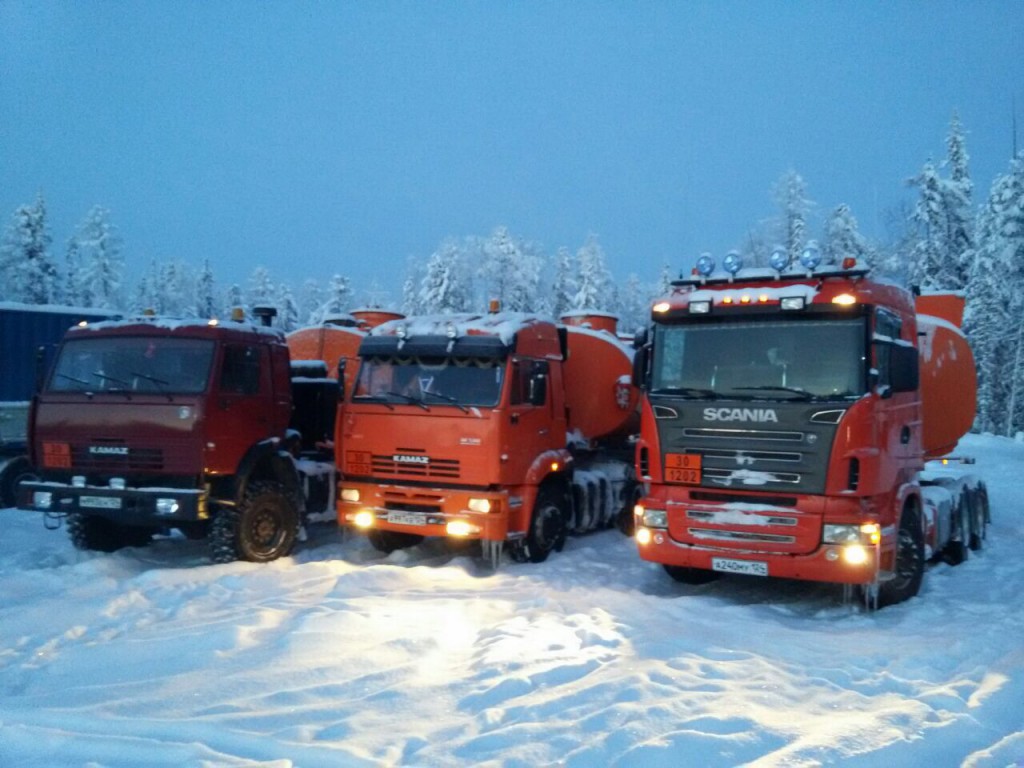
(347, 137)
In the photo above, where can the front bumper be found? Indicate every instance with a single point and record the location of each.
(131, 506)
(426, 512)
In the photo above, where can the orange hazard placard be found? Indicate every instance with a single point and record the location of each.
(682, 468)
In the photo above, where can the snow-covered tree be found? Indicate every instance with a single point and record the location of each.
(73, 292)
(634, 309)
(287, 310)
(445, 288)
(411, 288)
(233, 299)
(26, 268)
(312, 298)
(791, 196)
(842, 238)
(994, 317)
(261, 288)
(595, 281)
(511, 272)
(102, 264)
(205, 297)
(338, 300)
(564, 288)
(957, 191)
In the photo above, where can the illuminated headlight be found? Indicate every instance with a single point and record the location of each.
(655, 518)
(166, 506)
(705, 265)
(643, 536)
(855, 554)
(350, 494)
(661, 306)
(363, 519)
(733, 262)
(78, 481)
(480, 505)
(42, 499)
(461, 528)
(700, 307)
(792, 302)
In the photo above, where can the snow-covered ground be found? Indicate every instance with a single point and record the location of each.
(340, 657)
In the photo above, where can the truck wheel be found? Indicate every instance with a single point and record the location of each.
(263, 527)
(909, 571)
(388, 541)
(686, 575)
(980, 516)
(89, 532)
(13, 473)
(956, 551)
(547, 529)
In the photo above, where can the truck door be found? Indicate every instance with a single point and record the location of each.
(530, 417)
(898, 415)
(242, 408)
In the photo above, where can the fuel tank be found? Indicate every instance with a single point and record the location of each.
(599, 391)
(948, 375)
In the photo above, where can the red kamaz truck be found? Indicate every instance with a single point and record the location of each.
(787, 419)
(505, 428)
(210, 428)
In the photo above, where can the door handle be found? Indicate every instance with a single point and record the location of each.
(905, 435)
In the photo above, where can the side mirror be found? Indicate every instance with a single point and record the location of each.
(905, 372)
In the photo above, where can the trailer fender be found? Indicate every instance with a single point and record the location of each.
(558, 461)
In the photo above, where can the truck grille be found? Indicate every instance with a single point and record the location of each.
(136, 459)
(424, 467)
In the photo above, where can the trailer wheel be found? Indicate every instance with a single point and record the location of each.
(956, 550)
(909, 571)
(13, 473)
(88, 532)
(685, 575)
(980, 516)
(388, 541)
(548, 529)
(263, 527)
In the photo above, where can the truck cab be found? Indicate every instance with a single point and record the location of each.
(150, 424)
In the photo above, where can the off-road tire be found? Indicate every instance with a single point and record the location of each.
(980, 516)
(548, 529)
(956, 550)
(261, 528)
(13, 473)
(909, 568)
(89, 532)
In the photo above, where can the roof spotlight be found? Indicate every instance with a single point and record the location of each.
(779, 259)
(732, 262)
(705, 265)
(811, 255)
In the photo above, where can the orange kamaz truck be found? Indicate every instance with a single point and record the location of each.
(506, 428)
(790, 422)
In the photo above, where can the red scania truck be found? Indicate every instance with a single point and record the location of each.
(787, 419)
(506, 428)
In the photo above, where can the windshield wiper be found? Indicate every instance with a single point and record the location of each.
(409, 399)
(376, 399)
(75, 379)
(159, 382)
(448, 398)
(804, 394)
(125, 386)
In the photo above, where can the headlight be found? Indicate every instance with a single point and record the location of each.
(350, 494)
(166, 506)
(480, 505)
(461, 528)
(841, 534)
(655, 518)
(364, 519)
(42, 499)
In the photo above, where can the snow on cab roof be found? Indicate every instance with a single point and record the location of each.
(504, 325)
(172, 324)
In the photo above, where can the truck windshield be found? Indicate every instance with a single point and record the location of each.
(763, 360)
(430, 381)
(143, 364)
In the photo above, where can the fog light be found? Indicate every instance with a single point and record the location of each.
(461, 528)
(350, 494)
(43, 499)
(363, 519)
(480, 505)
(643, 536)
(855, 554)
(166, 506)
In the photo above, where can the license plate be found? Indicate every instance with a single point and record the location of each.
(406, 518)
(100, 502)
(683, 468)
(746, 567)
